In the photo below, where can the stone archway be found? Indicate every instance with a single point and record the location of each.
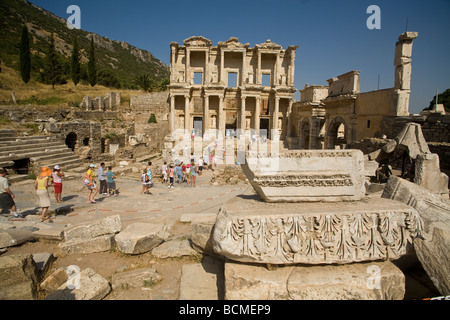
(336, 135)
(71, 140)
(304, 134)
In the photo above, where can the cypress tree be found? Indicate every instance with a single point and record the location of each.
(75, 67)
(25, 57)
(92, 71)
(52, 69)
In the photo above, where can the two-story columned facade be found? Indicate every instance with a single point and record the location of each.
(231, 86)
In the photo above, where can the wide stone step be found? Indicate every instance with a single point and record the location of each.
(65, 163)
(33, 153)
(31, 145)
(53, 154)
(14, 178)
(7, 133)
(24, 138)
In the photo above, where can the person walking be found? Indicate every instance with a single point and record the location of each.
(89, 181)
(193, 174)
(149, 173)
(41, 185)
(145, 182)
(7, 196)
(164, 172)
(171, 176)
(179, 172)
(110, 179)
(57, 176)
(102, 179)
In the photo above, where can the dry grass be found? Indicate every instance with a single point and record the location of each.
(40, 94)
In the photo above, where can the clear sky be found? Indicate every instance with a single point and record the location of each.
(332, 35)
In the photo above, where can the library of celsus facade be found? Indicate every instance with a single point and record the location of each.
(231, 87)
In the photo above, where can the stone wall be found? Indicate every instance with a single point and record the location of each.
(435, 127)
(154, 102)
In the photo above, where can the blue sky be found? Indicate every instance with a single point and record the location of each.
(332, 35)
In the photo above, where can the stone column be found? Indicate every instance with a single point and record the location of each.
(257, 115)
(258, 69)
(206, 75)
(172, 114)
(206, 120)
(187, 76)
(402, 86)
(275, 78)
(222, 116)
(275, 115)
(292, 69)
(172, 66)
(288, 118)
(187, 114)
(242, 126)
(244, 68)
(222, 63)
(100, 104)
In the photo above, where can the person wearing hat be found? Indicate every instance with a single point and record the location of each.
(41, 185)
(7, 196)
(91, 185)
(58, 175)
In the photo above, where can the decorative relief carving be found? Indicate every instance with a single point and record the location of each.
(333, 180)
(317, 238)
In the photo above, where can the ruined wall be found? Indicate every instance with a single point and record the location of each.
(150, 134)
(435, 127)
(370, 109)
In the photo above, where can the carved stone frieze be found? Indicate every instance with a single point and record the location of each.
(307, 175)
(317, 234)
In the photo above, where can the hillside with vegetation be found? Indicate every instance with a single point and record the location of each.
(118, 64)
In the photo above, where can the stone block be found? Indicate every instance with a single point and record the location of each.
(314, 233)
(43, 262)
(135, 279)
(109, 225)
(358, 281)
(433, 247)
(202, 281)
(18, 278)
(429, 176)
(87, 245)
(307, 175)
(53, 233)
(14, 237)
(55, 280)
(174, 249)
(87, 285)
(140, 237)
(201, 234)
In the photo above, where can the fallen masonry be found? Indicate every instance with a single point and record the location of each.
(307, 175)
(315, 233)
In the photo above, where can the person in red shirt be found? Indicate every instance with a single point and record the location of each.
(183, 172)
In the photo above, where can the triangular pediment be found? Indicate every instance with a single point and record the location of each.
(197, 41)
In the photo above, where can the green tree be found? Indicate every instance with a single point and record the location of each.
(52, 73)
(75, 65)
(145, 82)
(152, 119)
(92, 68)
(25, 57)
(443, 98)
(108, 78)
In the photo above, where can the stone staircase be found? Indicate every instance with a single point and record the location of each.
(26, 155)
